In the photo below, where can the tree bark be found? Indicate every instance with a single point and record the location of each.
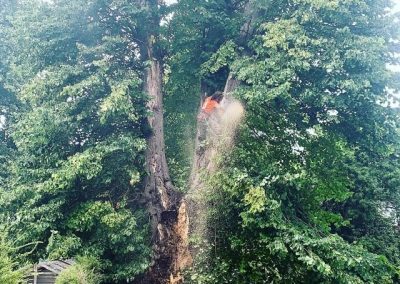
(167, 208)
(168, 216)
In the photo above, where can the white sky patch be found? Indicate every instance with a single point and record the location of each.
(169, 2)
(332, 112)
(2, 121)
(166, 19)
(394, 68)
(397, 5)
(311, 132)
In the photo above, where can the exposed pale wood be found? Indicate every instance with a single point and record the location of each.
(34, 274)
(168, 211)
(168, 214)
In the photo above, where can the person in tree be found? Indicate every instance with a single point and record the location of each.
(209, 109)
(210, 105)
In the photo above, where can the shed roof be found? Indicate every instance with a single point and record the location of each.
(55, 266)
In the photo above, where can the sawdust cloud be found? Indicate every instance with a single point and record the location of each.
(222, 127)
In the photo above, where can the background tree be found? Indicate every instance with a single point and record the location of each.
(78, 173)
(311, 154)
(7, 100)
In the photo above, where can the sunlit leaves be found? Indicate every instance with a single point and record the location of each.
(309, 159)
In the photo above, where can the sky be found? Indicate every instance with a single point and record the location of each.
(397, 7)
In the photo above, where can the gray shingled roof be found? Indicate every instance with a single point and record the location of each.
(55, 266)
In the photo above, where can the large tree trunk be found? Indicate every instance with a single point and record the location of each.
(169, 221)
(167, 208)
(159, 188)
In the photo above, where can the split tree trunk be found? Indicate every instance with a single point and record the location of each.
(167, 208)
(169, 221)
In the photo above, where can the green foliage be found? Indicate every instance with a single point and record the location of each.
(82, 272)
(74, 275)
(315, 101)
(254, 242)
(9, 271)
(197, 30)
(312, 173)
(76, 175)
(220, 59)
(309, 193)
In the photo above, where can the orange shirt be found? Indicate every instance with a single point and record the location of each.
(209, 105)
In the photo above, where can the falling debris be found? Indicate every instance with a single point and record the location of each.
(220, 134)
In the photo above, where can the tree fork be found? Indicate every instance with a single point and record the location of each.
(167, 208)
